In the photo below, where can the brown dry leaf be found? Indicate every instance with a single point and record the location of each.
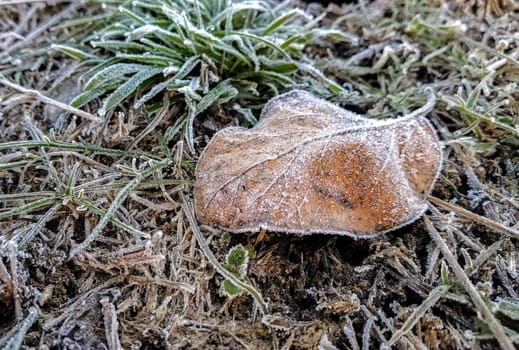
(310, 167)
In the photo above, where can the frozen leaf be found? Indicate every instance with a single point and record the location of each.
(309, 166)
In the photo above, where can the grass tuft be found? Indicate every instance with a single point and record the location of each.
(201, 53)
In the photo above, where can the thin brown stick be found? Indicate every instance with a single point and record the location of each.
(489, 318)
(39, 96)
(111, 324)
(17, 297)
(470, 215)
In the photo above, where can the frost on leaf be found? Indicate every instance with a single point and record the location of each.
(309, 166)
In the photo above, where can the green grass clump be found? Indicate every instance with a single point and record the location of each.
(202, 53)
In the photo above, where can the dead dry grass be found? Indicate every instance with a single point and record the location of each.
(96, 245)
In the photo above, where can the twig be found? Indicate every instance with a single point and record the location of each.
(39, 96)
(14, 338)
(27, 236)
(365, 13)
(81, 299)
(349, 331)
(468, 214)
(13, 260)
(489, 318)
(111, 324)
(202, 325)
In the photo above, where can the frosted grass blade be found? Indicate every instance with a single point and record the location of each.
(89, 94)
(129, 87)
(74, 52)
(278, 22)
(112, 72)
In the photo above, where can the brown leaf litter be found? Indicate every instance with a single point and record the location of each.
(311, 167)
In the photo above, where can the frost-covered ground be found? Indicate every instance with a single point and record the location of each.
(99, 247)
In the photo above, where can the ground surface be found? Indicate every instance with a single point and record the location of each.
(152, 288)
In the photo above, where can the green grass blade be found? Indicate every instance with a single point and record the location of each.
(291, 40)
(26, 208)
(263, 41)
(268, 76)
(73, 52)
(114, 206)
(279, 66)
(101, 212)
(222, 93)
(13, 165)
(119, 45)
(320, 76)
(152, 60)
(278, 22)
(174, 54)
(73, 146)
(132, 15)
(150, 30)
(129, 87)
(115, 71)
(11, 197)
(235, 8)
(427, 304)
(89, 94)
(155, 90)
(335, 34)
(207, 41)
(187, 67)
